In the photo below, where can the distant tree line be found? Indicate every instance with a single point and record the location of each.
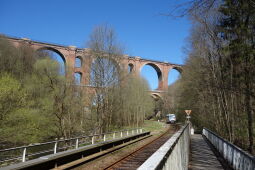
(218, 81)
(38, 104)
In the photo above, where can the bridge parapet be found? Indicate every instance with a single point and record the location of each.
(174, 154)
(235, 157)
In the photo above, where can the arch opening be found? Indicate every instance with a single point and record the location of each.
(130, 68)
(77, 78)
(173, 76)
(56, 56)
(152, 74)
(104, 72)
(78, 62)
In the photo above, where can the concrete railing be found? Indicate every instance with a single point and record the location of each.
(173, 155)
(235, 157)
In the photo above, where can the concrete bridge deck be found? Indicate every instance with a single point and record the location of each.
(202, 157)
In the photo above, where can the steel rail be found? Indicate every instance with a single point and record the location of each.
(95, 156)
(137, 150)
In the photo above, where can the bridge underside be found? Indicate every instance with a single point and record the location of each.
(157, 94)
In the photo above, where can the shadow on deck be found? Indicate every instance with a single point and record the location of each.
(201, 156)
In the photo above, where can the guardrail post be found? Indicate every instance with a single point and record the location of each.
(92, 140)
(24, 155)
(77, 143)
(55, 147)
(74, 143)
(141, 130)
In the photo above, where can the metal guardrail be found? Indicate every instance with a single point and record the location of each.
(33, 151)
(237, 158)
(173, 155)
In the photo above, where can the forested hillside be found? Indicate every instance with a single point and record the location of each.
(38, 104)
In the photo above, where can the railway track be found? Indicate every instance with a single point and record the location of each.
(136, 158)
(130, 161)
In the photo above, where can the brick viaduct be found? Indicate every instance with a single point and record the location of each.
(70, 53)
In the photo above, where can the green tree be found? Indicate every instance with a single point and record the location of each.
(12, 96)
(136, 103)
(217, 82)
(36, 103)
(237, 29)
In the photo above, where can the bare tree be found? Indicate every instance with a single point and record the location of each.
(106, 53)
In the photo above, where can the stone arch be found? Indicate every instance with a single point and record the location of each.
(173, 74)
(158, 71)
(156, 96)
(54, 50)
(179, 69)
(60, 58)
(110, 78)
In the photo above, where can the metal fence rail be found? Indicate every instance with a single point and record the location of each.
(237, 158)
(24, 153)
(173, 155)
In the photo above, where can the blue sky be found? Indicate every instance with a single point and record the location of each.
(138, 23)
